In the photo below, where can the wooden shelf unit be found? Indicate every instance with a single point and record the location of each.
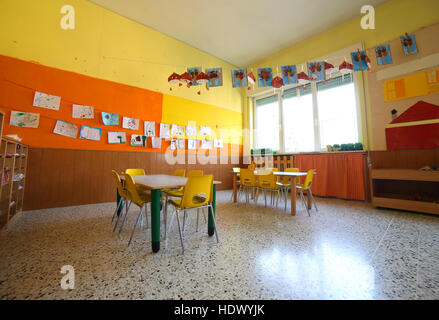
(397, 183)
(13, 161)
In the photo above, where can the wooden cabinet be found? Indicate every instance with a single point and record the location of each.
(13, 161)
(397, 182)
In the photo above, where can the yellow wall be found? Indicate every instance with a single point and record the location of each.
(392, 20)
(108, 46)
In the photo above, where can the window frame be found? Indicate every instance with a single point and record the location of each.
(316, 120)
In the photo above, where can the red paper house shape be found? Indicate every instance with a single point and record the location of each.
(425, 136)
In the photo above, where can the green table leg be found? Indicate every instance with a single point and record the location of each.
(155, 219)
(118, 197)
(210, 224)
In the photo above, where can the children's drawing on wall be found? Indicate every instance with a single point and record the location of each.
(24, 119)
(409, 44)
(194, 71)
(138, 140)
(239, 78)
(205, 131)
(149, 128)
(117, 137)
(177, 130)
(66, 129)
(90, 133)
(191, 131)
(265, 75)
(215, 77)
(192, 144)
(316, 71)
(181, 144)
(164, 130)
(156, 142)
(82, 112)
(289, 74)
(44, 100)
(218, 143)
(359, 60)
(173, 144)
(383, 55)
(206, 144)
(130, 123)
(110, 119)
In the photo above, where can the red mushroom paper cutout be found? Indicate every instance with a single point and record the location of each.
(303, 78)
(345, 67)
(202, 78)
(277, 82)
(186, 78)
(329, 69)
(173, 79)
(251, 79)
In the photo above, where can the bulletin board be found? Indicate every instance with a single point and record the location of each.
(405, 90)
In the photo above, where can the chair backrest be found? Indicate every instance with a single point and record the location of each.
(308, 180)
(135, 172)
(195, 173)
(197, 189)
(267, 181)
(247, 177)
(287, 179)
(252, 166)
(119, 185)
(133, 194)
(180, 172)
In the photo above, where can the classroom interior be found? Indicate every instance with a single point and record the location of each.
(219, 150)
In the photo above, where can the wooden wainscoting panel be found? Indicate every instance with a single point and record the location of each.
(65, 177)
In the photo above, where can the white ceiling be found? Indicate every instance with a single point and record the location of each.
(240, 32)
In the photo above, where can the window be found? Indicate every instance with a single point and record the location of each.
(267, 122)
(312, 117)
(298, 118)
(337, 111)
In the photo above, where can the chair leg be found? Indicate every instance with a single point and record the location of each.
(117, 208)
(165, 215)
(184, 220)
(204, 215)
(127, 208)
(198, 217)
(312, 198)
(214, 226)
(304, 202)
(265, 197)
(286, 198)
(277, 197)
(135, 226)
(179, 231)
(119, 216)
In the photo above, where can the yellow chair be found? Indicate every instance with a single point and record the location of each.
(195, 173)
(285, 184)
(179, 173)
(197, 194)
(267, 182)
(140, 199)
(247, 181)
(135, 172)
(307, 187)
(123, 196)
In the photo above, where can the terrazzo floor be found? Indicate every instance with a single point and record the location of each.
(346, 250)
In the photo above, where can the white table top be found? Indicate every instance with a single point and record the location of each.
(161, 181)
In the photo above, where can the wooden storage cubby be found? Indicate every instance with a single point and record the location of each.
(13, 161)
(396, 181)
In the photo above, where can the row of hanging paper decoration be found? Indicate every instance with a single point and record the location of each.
(67, 129)
(317, 71)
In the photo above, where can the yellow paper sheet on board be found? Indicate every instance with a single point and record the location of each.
(415, 85)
